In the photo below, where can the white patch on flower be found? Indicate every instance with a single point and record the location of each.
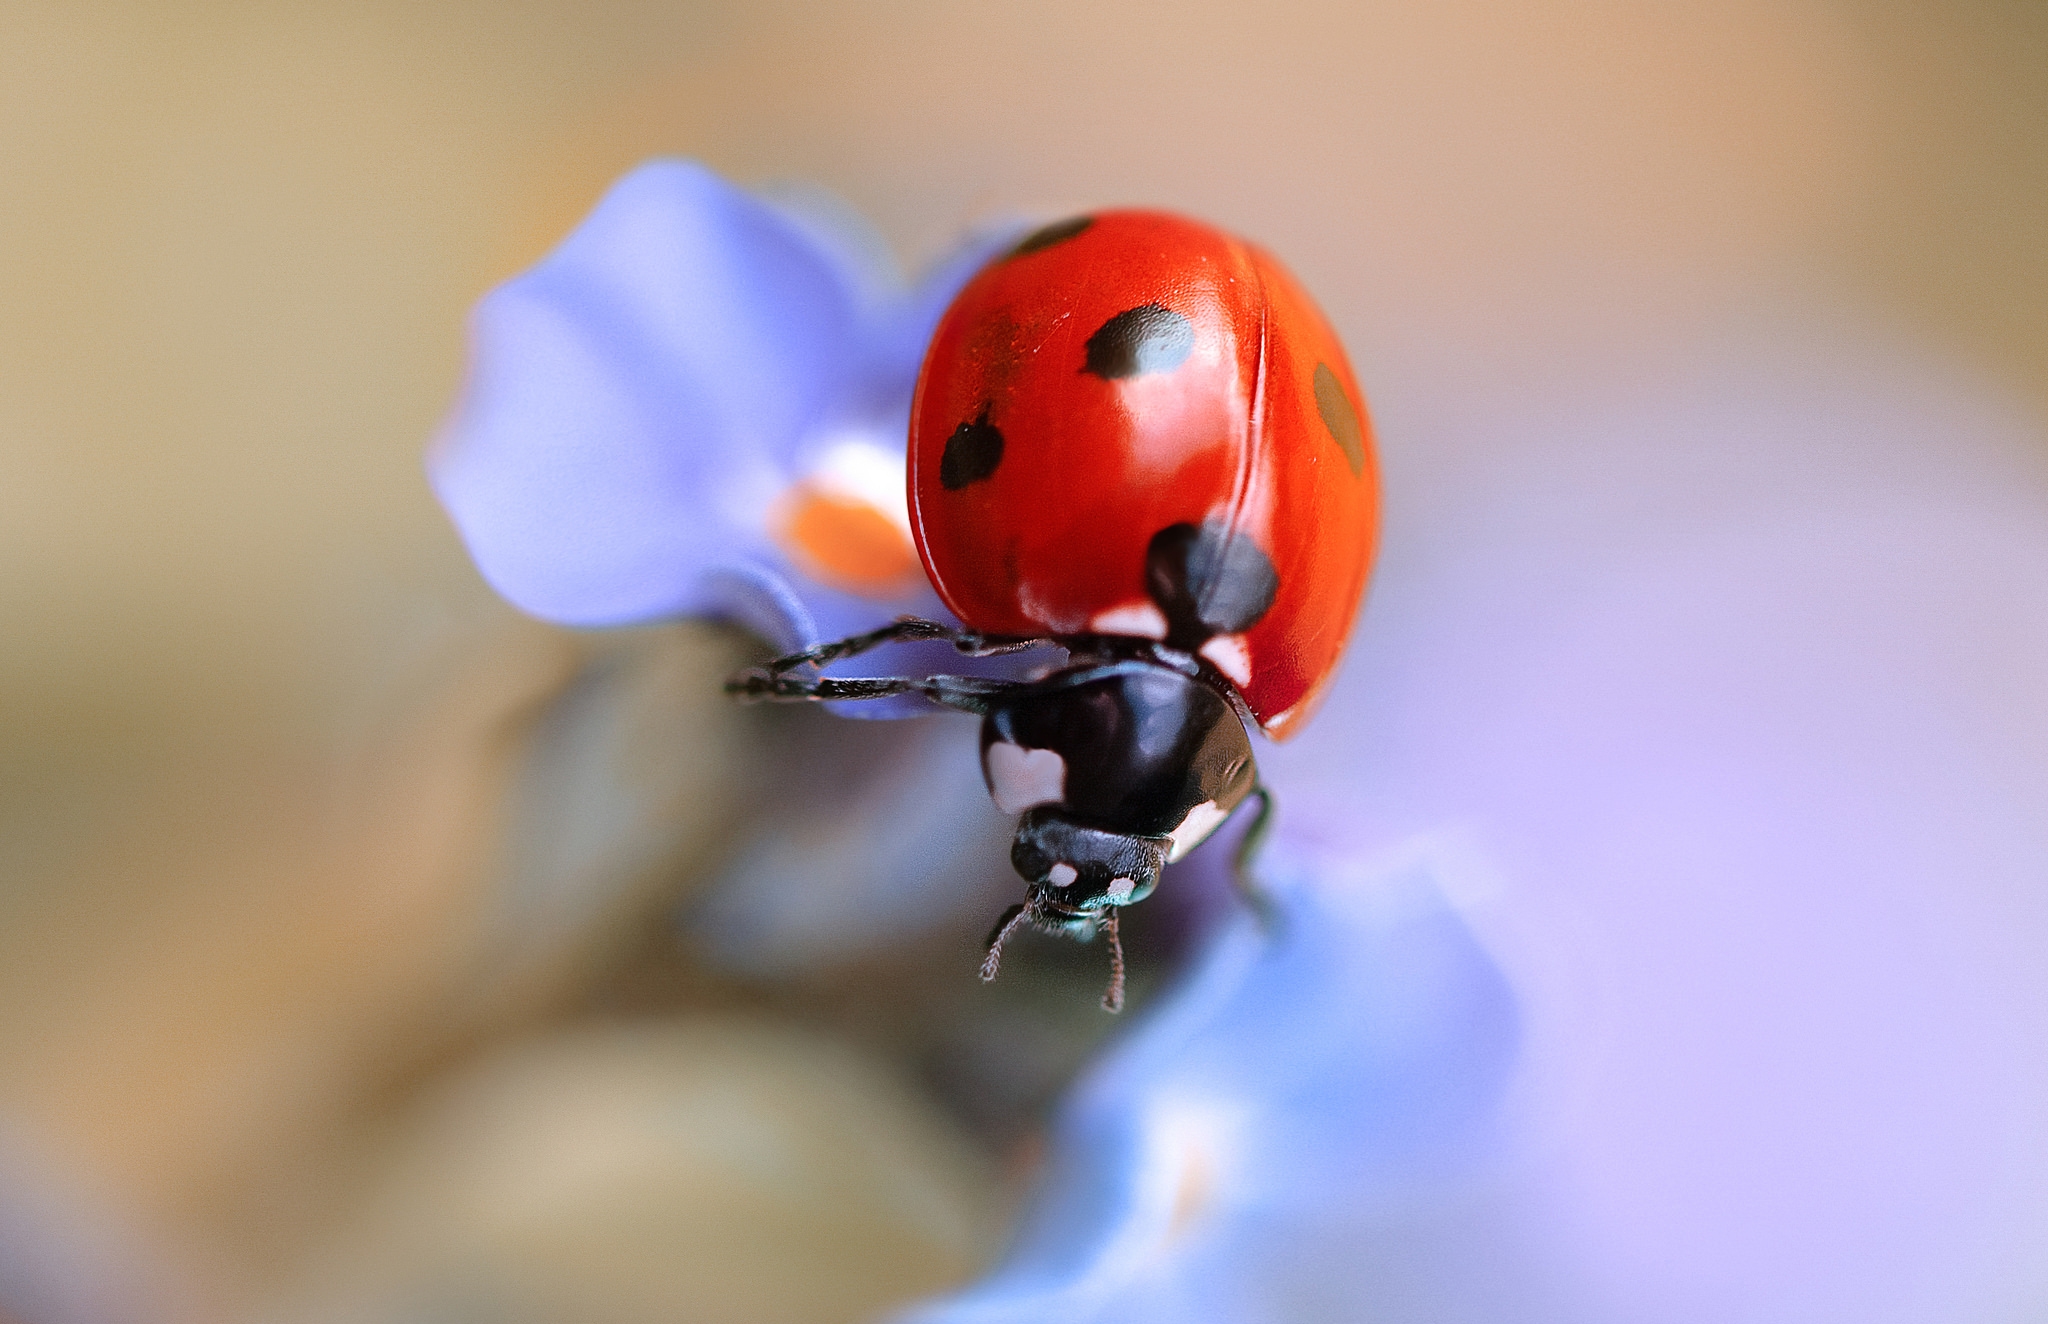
(853, 466)
(1188, 1157)
(1142, 620)
(1020, 778)
(1231, 656)
(1203, 819)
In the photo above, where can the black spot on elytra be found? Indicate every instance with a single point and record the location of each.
(1208, 581)
(1148, 338)
(1340, 417)
(1048, 235)
(972, 453)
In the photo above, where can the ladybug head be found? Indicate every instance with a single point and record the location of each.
(1079, 877)
(1078, 873)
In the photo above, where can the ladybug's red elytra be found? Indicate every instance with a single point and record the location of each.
(1136, 437)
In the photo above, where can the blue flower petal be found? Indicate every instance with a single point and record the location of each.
(1319, 1067)
(633, 398)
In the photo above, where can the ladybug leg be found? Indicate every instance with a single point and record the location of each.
(1242, 874)
(986, 645)
(776, 680)
(965, 694)
(904, 629)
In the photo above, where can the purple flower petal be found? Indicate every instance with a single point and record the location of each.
(1334, 1063)
(634, 398)
(644, 405)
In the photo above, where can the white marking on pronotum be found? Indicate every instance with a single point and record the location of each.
(1231, 656)
(1062, 875)
(1019, 778)
(1195, 829)
(1142, 619)
(1120, 890)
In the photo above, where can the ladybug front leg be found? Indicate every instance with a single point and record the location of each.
(904, 629)
(784, 680)
(966, 694)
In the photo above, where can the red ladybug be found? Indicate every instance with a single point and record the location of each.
(1134, 436)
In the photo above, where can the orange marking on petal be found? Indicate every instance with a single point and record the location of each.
(846, 542)
(1192, 1196)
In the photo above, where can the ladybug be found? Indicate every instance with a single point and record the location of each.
(1135, 437)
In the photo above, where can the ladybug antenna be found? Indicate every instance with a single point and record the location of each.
(1113, 996)
(992, 964)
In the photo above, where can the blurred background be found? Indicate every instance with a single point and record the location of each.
(336, 943)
